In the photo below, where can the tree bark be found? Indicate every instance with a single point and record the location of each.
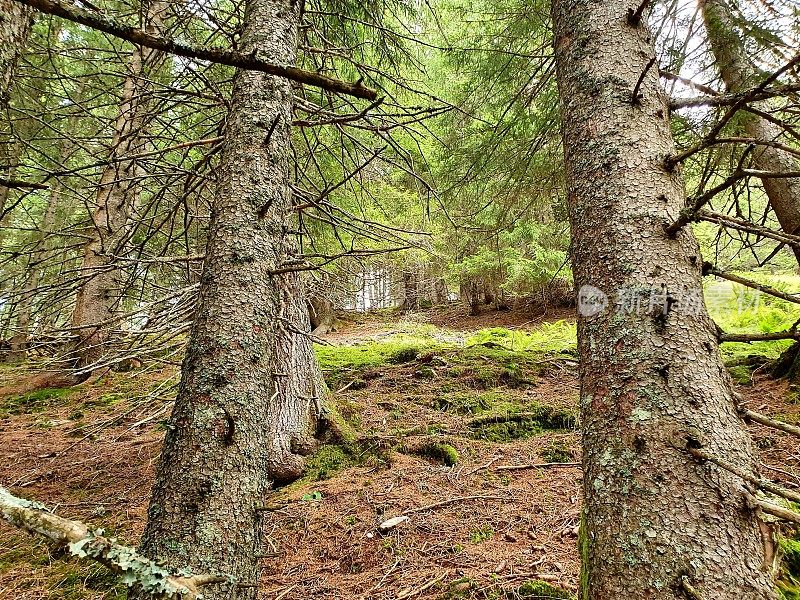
(411, 291)
(19, 341)
(15, 26)
(655, 520)
(251, 390)
(739, 74)
(117, 194)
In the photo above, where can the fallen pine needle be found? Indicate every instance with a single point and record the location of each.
(535, 466)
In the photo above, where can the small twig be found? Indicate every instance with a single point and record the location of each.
(450, 501)
(286, 591)
(486, 466)
(415, 591)
(635, 96)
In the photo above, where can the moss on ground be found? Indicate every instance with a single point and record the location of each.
(330, 459)
(515, 425)
(788, 579)
(557, 452)
(539, 589)
(741, 374)
(440, 452)
(65, 578)
(467, 402)
(34, 402)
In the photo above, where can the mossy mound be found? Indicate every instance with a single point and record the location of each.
(466, 403)
(557, 453)
(521, 425)
(539, 589)
(741, 374)
(440, 452)
(330, 459)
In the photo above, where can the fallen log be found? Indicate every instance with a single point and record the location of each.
(135, 570)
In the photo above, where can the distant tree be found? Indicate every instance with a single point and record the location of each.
(739, 74)
(656, 522)
(116, 198)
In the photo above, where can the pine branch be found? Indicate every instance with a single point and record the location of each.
(106, 24)
(709, 269)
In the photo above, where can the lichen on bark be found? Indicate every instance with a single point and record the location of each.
(651, 381)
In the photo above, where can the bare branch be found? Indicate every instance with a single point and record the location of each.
(251, 62)
(138, 571)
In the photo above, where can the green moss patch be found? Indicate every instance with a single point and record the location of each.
(466, 403)
(440, 452)
(788, 579)
(557, 453)
(521, 425)
(34, 402)
(328, 460)
(539, 589)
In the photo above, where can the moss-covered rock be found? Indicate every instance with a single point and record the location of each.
(514, 425)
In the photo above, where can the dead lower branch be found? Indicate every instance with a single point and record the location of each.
(104, 23)
(138, 571)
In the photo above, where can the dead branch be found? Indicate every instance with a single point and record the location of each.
(709, 269)
(748, 338)
(763, 484)
(776, 510)
(136, 570)
(749, 415)
(106, 24)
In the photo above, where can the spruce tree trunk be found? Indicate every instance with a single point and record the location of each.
(117, 195)
(739, 74)
(652, 381)
(15, 26)
(250, 390)
(19, 341)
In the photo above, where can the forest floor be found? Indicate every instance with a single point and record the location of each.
(453, 412)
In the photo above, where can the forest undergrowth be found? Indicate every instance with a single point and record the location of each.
(465, 425)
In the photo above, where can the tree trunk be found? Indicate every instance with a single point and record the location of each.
(321, 314)
(739, 74)
(250, 388)
(15, 26)
(411, 291)
(652, 381)
(19, 341)
(117, 195)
